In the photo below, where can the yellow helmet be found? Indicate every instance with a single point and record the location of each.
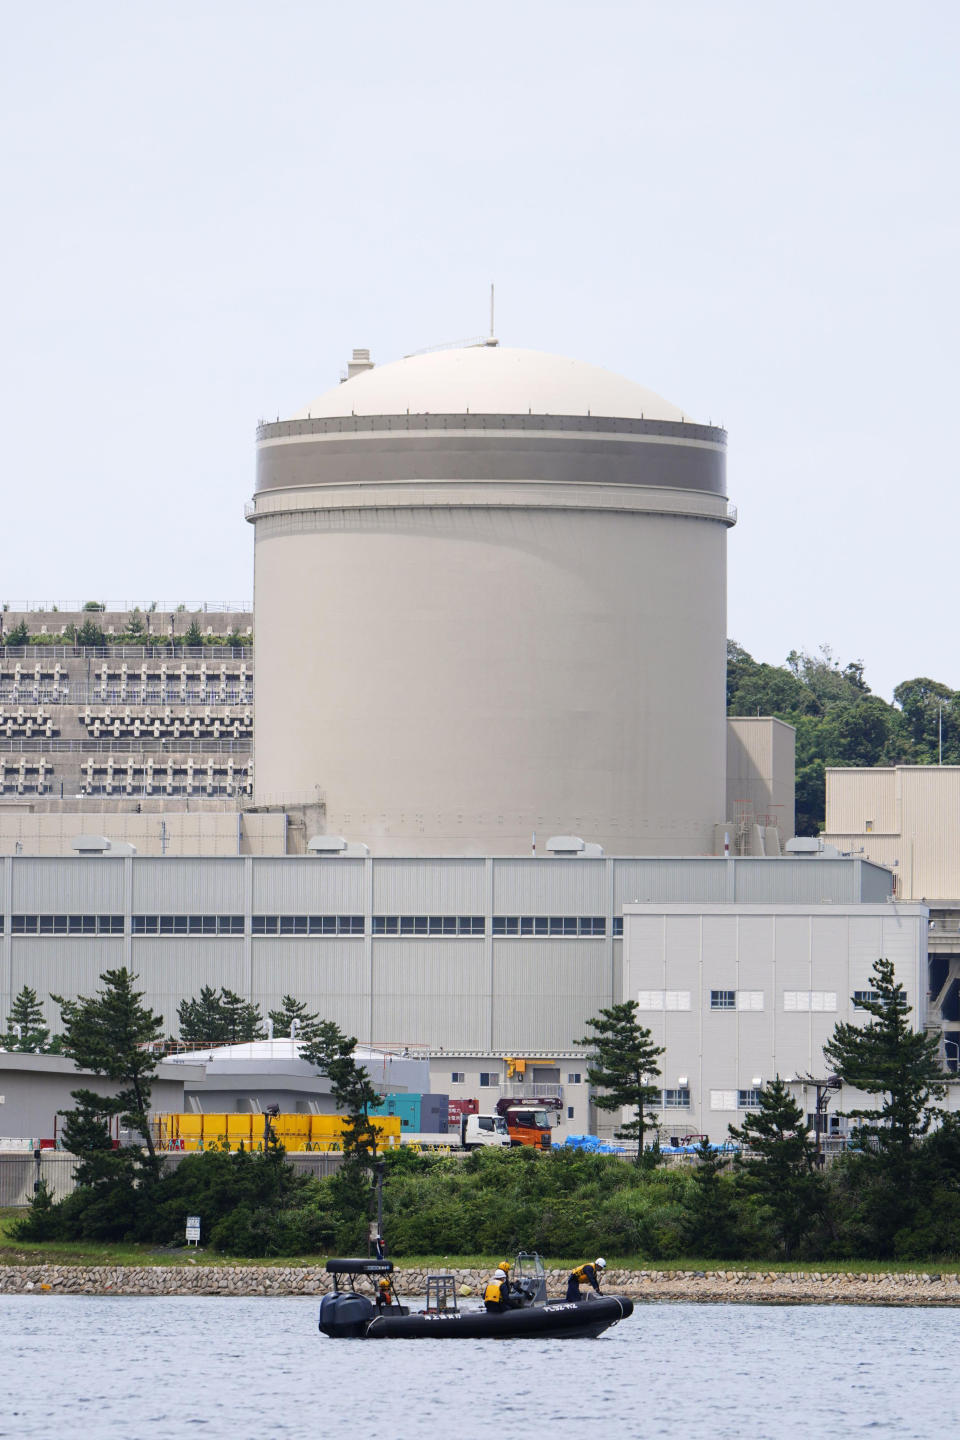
(504, 1265)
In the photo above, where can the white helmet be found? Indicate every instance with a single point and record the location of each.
(499, 1274)
(601, 1264)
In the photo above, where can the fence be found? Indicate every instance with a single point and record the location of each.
(20, 1169)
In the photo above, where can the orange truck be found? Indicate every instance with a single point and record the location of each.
(527, 1124)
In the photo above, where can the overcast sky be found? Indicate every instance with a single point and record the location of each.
(751, 208)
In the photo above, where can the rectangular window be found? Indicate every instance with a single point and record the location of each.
(723, 999)
(864, 997)
(574, 1077)
(749, 999)
(569, 1112)
(618, 925)
(723, 1099)
(458, 1077)
(146, 924)
(230, 924)
(676, 1099)
(806, 1000)
(489, 1077)
(23, 924)
(386, 924)
(748, 1099)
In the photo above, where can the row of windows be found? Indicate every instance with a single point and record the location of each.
(734, 1099)
(503, 925)
(66, 924)
(549, 925)
(491, 1077)
(307, 924)
(819, 1000)
(188, 924)
(429, 925)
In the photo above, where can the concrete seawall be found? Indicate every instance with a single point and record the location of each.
(716, 1286)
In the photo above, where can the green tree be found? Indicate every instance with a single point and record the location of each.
(112, 1034)
(709, 1225)
(889, 1059)
(194, 635)
(290, 1010)
(136, 626)
(218, 1018)
(622, 1064)
(26, 1031)
(19, 635)
(90, 633)
(333, 1054)
(779, 1174)
(94, 607)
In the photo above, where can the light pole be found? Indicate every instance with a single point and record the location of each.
(825, 1090)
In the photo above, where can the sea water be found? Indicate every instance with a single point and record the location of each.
(151, 1368)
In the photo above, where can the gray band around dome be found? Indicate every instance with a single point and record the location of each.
(379, 449)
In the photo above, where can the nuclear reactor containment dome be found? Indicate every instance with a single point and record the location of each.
(490, 601)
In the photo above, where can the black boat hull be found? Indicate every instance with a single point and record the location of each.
(557, 1320)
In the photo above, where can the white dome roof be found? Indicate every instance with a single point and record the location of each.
(491, 380)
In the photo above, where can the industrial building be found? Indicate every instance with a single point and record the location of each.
(511, 568)
(487, 724)
(739, 994)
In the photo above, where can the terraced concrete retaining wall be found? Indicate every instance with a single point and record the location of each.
(716, 1286)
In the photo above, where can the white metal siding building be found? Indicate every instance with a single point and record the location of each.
(488, 954)
(738, 994)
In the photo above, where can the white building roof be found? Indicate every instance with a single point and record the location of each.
(491, 380)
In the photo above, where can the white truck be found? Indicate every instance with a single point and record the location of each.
(477, 1130)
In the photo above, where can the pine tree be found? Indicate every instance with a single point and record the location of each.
(290, 1010)
(888, 1058)
(219, 1018)
(623, 1065)
(193, 637)
(780, 1171)
(111, 1033)
(19, 635)
(26, 1031)
(332, 1052)
(709, 1224)
(90, 633)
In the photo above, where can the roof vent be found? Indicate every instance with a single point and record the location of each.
(573, 846)
(337, 847)
(359, 361)
(100, 845)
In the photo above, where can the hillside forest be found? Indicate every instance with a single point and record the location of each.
(839, 721)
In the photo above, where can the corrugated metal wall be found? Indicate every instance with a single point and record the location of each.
(171, 970)
(544, 993)
(331, 976)
(58, 965)
(437, 887)
(549, 887)
(855, 796)
(433, 992)
(203, 886)
(307, 885)
(59, 887)
(639, 881)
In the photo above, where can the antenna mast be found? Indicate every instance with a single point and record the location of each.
(492, 331)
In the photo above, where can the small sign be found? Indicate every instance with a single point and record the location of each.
(193, 1229)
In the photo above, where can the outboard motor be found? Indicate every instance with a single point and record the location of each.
(344, 1313)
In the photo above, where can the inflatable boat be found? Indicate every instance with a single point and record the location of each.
(351, 1313)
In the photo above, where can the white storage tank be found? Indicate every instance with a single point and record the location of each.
(490, 600)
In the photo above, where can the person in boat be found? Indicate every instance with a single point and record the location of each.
(585, 1275)
(384, 1297)
(496, 1297)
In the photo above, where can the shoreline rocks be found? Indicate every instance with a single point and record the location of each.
(692, 1286)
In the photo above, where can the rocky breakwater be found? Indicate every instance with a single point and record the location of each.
(703, 1286)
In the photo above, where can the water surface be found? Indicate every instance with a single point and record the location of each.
(212, 1367)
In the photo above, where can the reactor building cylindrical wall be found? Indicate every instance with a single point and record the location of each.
(490, 601)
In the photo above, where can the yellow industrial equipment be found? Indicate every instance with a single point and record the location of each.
(226, 1131)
